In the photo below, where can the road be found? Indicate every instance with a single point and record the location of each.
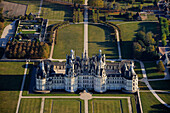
(118, 43)
(86, 28)
(149, 86)
(22, 86)
(39, 12)
(52, 47)
(8, 32)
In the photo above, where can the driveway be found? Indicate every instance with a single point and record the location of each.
(8, 32)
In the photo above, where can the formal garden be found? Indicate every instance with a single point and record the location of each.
(30, 105)
(108, 106)
(64, 106)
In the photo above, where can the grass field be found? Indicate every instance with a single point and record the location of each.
(70, 37)
(151, 70)
(99, 38)
(64, 106)
(160, 85)
(30, 105)
(128, 32)
(138, 70)
(151, 105)
(165, 97)
(55, 11)
(108, 106)
(33, 5)
(11, 74)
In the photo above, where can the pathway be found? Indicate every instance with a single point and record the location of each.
(22, 86)
(52, 47)
(118, 43)
(84, 96)
(8, 32)
(136, 22)
(149, 86)
(42, 105)
(86, 28)
(39, 12)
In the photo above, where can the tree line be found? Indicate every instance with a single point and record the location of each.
(34, 49)
(164, 30)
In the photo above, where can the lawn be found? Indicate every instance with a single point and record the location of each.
(151, 70)
(30, 105)
(99, 38)
(132, 98)
(28, 32)
(138, 70)
(108, 106)
(11, 74)
(70, 37)
(160, 85)
(151, 105)
(165, 97)
(56, 11)
(142, 86)
(128, 32)
(64, 106)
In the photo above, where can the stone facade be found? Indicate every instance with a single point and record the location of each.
(87, 73)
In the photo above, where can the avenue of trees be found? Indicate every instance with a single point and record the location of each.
(144, 46)
(34, 49)
(164, 30)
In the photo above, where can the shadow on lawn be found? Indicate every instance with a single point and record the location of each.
(159, 108)
(58, 7)
(11, 82)
(153, 27)
(109, 44)
(127, 49)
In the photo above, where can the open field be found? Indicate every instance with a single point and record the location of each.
(30, 105)
(33, 5)
(99, 38)
(55, 11)
(160, 85)
(151, 105)
(108, 106)
(11, 74)
(70, 37)
(13, 9)
(128, 32)
(64, 106)
(151, 70)
(138, 70)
